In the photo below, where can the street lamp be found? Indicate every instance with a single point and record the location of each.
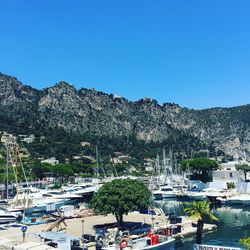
(83, 232)
(152, 219)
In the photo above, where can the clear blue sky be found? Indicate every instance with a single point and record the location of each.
(194, 53)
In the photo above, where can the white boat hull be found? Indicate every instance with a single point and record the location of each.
(169, 195)
(7, 219)
(165, 245)
(236, 202)
(243, 200)
(46, 207)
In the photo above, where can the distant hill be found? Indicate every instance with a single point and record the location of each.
(24, 109)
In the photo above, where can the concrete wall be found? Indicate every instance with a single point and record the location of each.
(241, 186)
(227, 175)
(220, 184)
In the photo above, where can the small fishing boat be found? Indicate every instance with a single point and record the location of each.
(151, 241)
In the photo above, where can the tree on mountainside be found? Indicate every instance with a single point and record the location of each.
(62, 170)
(200, 167)
(200, 211)
(120, 197)
(243, 167)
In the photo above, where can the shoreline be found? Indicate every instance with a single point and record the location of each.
(76, 227)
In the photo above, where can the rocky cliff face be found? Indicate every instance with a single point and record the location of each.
(87, 110)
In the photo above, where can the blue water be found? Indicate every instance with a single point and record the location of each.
(233, 224)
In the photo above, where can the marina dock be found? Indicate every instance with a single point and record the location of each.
(78, 226)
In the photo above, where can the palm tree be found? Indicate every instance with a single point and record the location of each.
(245, 242)
(200, 211)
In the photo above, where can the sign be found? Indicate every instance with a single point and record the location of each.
(210, 247)
(24, 229)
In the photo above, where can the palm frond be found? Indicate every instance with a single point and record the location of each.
(200, 210)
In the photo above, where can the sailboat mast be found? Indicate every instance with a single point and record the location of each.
(13, 160)
(113, 164)
(158, 170)
(164, 164)
(97, 165)
(7, 172)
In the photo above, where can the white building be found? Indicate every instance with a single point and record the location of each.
(228, 173)
(27, 138)
(52, 161)
(7, 138)
(149, 164)
(85, 144)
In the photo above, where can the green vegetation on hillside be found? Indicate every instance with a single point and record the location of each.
(67, 148)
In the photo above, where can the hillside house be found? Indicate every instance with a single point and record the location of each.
(148, 164)
(85, 144)
(27, 138)
(7, 138)
(120, 158)
(51, 161)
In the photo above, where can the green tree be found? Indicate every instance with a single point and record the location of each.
(41, 168)
(200, 211)
(120, 197)
(243, 167)
(62, 170)
(201, 168)
(245, 242)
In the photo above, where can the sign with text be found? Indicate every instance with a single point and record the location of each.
(210, 247)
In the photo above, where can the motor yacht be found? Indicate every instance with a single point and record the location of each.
(80, 189)
(243, 199)
(6, 216)
(59, 194)
(33, 200)
(165, 192)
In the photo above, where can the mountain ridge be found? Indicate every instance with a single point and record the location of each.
(65, 83)
(90, 111)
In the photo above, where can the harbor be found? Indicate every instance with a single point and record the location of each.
(125, 125)
(236, 220)
(166, 210)
(86, 225)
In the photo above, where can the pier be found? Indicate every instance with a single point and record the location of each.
(79, 226)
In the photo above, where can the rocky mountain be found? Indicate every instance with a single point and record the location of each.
(87, 110)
